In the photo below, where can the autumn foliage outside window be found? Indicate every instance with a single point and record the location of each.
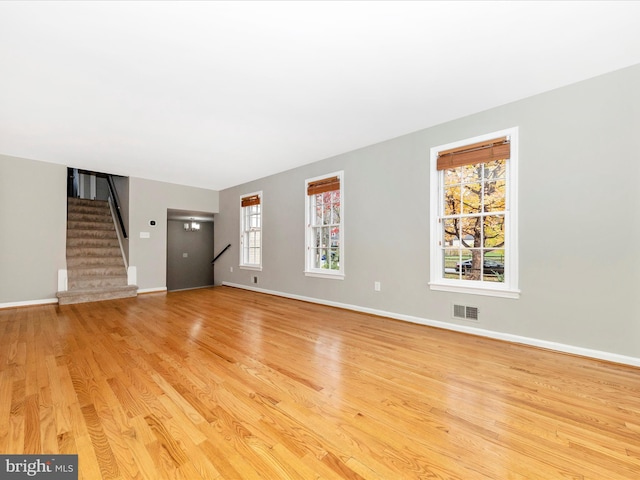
(475, 219)
(251, 230)
(324, 225)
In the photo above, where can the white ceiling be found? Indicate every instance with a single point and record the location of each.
(214, 94)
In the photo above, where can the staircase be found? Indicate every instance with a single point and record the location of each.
(95, 267)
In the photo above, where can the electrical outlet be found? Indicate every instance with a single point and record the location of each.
(376, 286)
(231, 269)
(254, 279)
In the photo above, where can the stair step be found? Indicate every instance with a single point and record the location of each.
(86, 201)
(100, 212)
(96, 294)
(96, 270)
(89, 225)
(94, 252)
(90, 217)
(100, 281)
(88, 233)
(89, 271)
(79, 262)
(101, 208)
(83, 203)
(88, 208)
(92, 242)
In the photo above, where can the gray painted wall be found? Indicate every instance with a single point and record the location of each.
(579, 222)
(149, 200)
(102, 188)
(195, 269)
(33, 216)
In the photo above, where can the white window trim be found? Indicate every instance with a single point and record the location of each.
(249, 266)
(316, 272)
(438, 283)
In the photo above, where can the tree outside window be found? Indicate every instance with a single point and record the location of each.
(474, 200)
(251, 231)
(325, 232)
(325, 252)
(474, 215)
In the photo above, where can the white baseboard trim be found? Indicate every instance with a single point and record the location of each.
(152, 290)
(534, 342)
(190, 288)
(29, 303)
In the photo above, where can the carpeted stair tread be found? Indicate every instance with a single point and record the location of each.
(90, 217)
(93, 242)
(93, 252)
(88, 225)
(85, 201)
(96, 294)
(89, 233)
(74, 262)
(95, 267)
(97, 280)
(103, 281)
(100, 207)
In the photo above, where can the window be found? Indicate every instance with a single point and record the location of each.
(251, 231)
(325, 231)
(474, 215)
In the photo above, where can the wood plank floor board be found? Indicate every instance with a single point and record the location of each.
(222, 383)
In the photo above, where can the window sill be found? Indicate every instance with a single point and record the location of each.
(491, 292)
(250, 267)
(333, 276)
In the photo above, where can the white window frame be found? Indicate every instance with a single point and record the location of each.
(243, 232)
(508, 288)
(309, 270)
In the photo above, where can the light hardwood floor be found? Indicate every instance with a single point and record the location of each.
(223, 383)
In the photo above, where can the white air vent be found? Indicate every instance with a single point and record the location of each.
(465, 312)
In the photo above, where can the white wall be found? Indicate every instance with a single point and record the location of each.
(33, 216)
(579, 212)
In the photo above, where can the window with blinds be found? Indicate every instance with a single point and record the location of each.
(324, 226)
(473, 214)
(251, 231)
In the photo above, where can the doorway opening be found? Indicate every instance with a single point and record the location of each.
(190, 249)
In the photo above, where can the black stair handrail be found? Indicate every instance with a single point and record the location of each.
(218, 255)
(116, 204)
